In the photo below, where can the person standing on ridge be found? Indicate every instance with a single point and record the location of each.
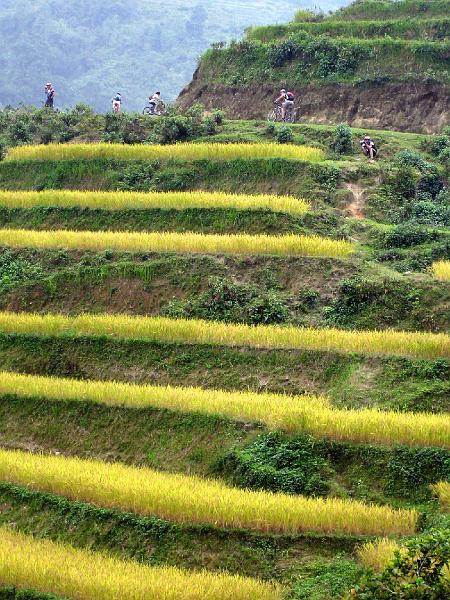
(117, 103)
(50, 95)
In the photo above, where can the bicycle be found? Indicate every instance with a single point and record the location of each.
(156, 111)
(276, 112)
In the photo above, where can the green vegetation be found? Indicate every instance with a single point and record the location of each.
(187, 309)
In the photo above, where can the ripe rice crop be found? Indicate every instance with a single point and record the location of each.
(191, 499)
(184, 151)
(441, 270)
(196, 331)
(152, 200)
(191, 243)
(295, 414)
(378, 554)
(45, 566)
(442, 490)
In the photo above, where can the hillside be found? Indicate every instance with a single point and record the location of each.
(386, 68)
(254, 315)
(89, 50)
(224, 344)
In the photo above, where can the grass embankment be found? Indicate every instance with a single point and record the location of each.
(349, 380)
(386, 9)
(85, 575)
(441, 270)
(153, 200)
(306, 61)
(192, 331)
(185, 151)
(191, 243)
(443, 492)
(194, 500)
(265, 176)
(431, 29)
(294, 414)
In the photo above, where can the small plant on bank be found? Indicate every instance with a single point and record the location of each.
(343, 140)
(285, 135)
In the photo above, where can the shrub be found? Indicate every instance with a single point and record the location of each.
(284, 135)
(431, 213)
(3, 149)
(229, 301)
(218, 116)
(270, 129)
(283, 53)
(416, 572)
(409, 158)
(441, 143)
(209, 126)
(343, 141)
(276, 463)
(173, 129)
(268, 308)
(407, 235)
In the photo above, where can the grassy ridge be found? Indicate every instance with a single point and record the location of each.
(152, 200)
(441, 270)
(387, 9)
(192, 331)
(185, 151)
(297, 414)
(51, 567)
(194, 500)
(192, 243)
(303, 59)
(433, 29)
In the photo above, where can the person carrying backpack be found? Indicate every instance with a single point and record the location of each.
(287, 100)
(50, 95)
(117, 103)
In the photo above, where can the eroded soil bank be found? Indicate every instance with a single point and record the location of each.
(415, 107)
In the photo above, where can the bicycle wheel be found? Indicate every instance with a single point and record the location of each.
(272, 116)
(147, 111)
(290, 116)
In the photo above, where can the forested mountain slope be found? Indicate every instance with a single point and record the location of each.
(91, 49)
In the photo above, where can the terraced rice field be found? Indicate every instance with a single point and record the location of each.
(191, 331)
(194, 500)
(442, 490)
(283, 490)
(295, 414)
(154, 152)
(190, 243)
(94, 576)
(161, 200)
(441, 270)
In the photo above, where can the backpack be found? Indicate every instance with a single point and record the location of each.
(290, 96)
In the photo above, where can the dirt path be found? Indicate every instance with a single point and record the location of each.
(356, 206)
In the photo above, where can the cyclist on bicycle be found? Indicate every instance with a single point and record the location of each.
(368, 147)
(50, 95)
(287, 102)
(154, 102)
(117, 103)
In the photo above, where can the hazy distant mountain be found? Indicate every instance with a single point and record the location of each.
(90, 49)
